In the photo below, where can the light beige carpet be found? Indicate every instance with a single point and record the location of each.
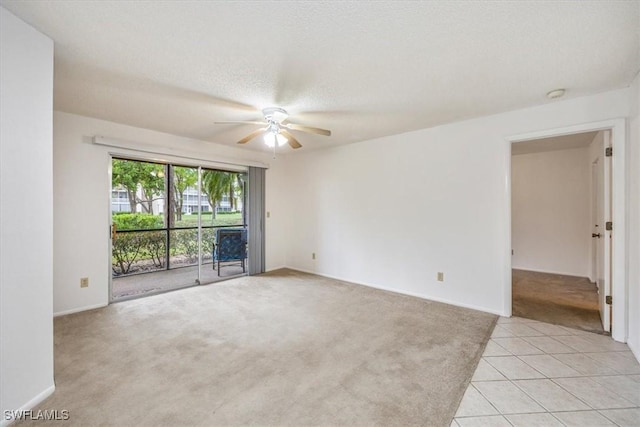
(283, 348)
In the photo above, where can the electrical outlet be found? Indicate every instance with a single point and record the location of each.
(313, 255)
(440, 276)
(268, 214)
(84, 282)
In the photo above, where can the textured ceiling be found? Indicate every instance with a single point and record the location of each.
(361, 69)
(565, 142)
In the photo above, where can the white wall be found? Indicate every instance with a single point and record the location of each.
(394, 211)
(26, 221)
(550, 211)
(634, 219)
(82, 206)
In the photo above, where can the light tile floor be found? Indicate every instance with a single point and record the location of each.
(538, 374)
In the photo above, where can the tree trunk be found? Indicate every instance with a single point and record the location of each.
(132, 200)
(212, 203)
(145, 206)
(178, 207)
(149, 203)
(171, 220)
(232, 197)
(177, 203)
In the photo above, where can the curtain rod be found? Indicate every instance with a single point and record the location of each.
(181, 154)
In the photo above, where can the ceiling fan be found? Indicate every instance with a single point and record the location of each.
(277, 127)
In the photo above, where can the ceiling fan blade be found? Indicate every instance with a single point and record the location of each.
(308, 129)
(251, 136)
(239, 122)
(293, 142)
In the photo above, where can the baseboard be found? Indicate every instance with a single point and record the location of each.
(402, 292)
(275, 268)
(635, 349)
(563, 273)
(78, 310)
(30, 404)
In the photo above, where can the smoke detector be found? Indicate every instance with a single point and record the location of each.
(556, 93)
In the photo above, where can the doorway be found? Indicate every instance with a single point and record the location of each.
(615, 231)
(165, 219)
(558, 195)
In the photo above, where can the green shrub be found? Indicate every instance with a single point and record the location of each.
(208, 237)
(155, 245)
(126, 248)
(137, 221)
(185, 242)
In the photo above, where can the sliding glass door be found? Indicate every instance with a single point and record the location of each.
(166, 222)
(183, 225)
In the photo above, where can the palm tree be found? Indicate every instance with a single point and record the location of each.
(215, 184)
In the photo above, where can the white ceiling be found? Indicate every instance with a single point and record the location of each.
(362, 69)
(565, 142)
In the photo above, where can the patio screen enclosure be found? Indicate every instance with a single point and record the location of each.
(164, 219)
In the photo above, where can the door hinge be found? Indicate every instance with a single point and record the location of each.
(608, 226)
(608, 299)
(608, 152)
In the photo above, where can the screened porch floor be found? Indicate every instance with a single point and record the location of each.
(137, 285)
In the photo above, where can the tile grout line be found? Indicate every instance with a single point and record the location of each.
(604, 415)
(600, 386)
(553, 382)
(589, 354)
(485, 398)
(583, 374)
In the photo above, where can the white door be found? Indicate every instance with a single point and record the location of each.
(597, 260)
(604, 243)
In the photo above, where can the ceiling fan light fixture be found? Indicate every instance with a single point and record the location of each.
(281, 139)
(270, 139)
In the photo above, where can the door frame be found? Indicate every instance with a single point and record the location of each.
(159, 158)
(619, 265)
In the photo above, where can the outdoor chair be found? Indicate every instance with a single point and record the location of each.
(230, 245)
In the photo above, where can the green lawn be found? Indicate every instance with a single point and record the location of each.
(221, 219)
